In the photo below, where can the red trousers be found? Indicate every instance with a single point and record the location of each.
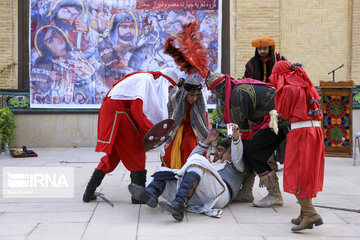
(122, 126)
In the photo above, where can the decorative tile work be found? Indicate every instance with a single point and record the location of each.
(19, 102)
(337, 121)
(356, 97)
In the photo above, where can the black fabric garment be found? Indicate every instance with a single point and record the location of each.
(259, 148)
(164, 176)
(254, 67)
(94, 182)
(253, 102)
(280, 152)
(138, 177)
(250, 102)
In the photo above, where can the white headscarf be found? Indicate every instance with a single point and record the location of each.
(153, 92)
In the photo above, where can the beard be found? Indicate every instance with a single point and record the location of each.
(62, 24)
(126, 38)
(264, 55)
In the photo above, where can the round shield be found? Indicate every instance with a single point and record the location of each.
(158, 134)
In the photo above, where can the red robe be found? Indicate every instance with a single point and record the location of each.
(305, 149)
(188, 142)
(122, 126)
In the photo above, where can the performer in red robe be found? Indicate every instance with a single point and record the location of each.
(132, 106)
(188, 108)
(297, 100)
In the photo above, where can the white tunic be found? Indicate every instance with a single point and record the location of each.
(212, 193)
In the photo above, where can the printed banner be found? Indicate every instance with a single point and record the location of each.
(177, 5)
(80, 48)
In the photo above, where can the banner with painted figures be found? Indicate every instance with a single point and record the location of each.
(80, 48)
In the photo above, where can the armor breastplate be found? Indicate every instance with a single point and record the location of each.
(233, 178)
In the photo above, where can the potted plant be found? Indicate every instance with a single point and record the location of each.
(7, 126)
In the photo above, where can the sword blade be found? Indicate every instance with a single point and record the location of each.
(102, 196)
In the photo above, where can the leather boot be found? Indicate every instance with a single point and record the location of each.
(310, 216)
(149, 194)
(272, 162)
(94, 182)
(298, 220)
(274, 198)
(187, 187)
(245, 194)
(139, 178)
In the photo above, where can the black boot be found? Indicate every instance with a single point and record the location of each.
(94, 182)
(139, 178)
(148, 195)
(187, 187)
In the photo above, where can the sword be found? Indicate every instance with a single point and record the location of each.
(102, 196)
(77, 162)
(78, 40)
(341, 209)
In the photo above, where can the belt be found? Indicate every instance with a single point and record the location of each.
(305, 124)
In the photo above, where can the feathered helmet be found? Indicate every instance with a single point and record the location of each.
(188, 51)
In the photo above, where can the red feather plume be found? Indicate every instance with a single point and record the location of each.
(190, 54)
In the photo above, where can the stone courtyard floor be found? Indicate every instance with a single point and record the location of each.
(70, 218)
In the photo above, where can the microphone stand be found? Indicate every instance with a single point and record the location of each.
(333, 71)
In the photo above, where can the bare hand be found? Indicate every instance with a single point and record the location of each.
(236, 132)
(55, 75)
(213, 135)
(81, 26)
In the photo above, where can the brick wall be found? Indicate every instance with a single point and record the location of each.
(249, 20)
(8, 43)
(355, 42)
(316, 33)
(313, 32)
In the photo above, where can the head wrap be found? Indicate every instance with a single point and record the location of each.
(171, 73)
(151, 87)
(177, 107)
(263, 42)
(120, 17)
(191, 85)
(78, 4)
(221, 85)
(256, 71)
(284, 73)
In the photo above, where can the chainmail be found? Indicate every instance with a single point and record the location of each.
(177, 107)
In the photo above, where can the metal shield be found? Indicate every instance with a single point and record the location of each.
(158, 134)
